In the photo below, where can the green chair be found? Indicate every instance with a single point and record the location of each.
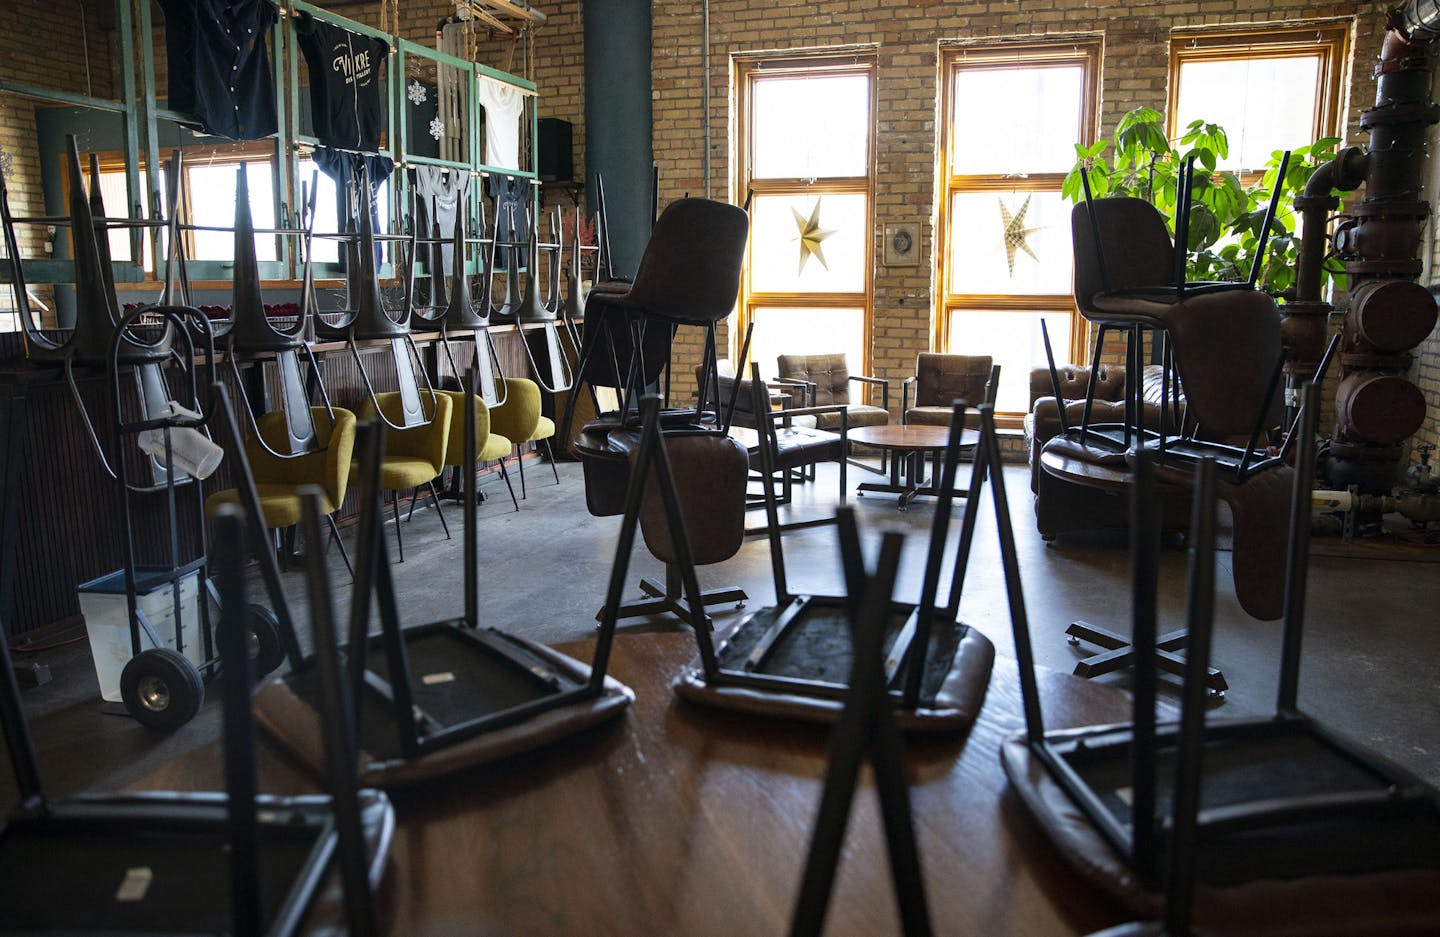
(519, 419)
(414, 456)
(491, 444)
(278, 481)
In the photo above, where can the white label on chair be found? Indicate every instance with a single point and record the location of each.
(431, 679)
(135, 884)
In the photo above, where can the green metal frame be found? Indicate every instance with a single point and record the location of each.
(141, 115)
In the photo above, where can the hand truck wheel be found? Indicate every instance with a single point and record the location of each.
(161, 688)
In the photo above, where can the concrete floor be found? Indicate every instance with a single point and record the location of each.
(1372, 649)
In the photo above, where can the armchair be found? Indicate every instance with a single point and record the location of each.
(827, 381)
(942, 379)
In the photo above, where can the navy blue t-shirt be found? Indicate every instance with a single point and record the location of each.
(344, 83)
(219, 66)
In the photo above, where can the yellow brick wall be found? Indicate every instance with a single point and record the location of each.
(908, 39)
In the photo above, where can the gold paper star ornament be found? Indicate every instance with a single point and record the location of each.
(1016, 234)
(811, 235)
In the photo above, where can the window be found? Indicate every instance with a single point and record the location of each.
(1012, 118)
(208, 201)
(806, 152)
(1271, 90)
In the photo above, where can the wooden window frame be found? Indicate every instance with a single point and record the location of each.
(1085, 51)
(1329, 39)
(747, 70)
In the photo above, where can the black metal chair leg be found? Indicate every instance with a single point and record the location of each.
(414, 495)
(335, 535)
(550, 454)
(435, 500)
(505, 474)
(520, 458)
(399, 540)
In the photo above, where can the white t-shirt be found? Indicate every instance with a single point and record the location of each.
(503, 103)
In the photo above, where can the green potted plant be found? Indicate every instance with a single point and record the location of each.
(1226, 215)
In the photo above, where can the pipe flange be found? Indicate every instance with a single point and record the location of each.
(1401, 112)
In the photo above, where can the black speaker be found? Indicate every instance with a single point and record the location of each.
(556, 164)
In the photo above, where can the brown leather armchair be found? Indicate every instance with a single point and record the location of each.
(827, 378)
(942, 379)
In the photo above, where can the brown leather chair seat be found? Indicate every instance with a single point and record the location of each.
(830, 376)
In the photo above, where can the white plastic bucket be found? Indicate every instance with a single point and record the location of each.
(107, 621)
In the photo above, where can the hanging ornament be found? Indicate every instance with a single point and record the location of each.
(437, 128)
(811, 235)
(1016, 234)
(416, 92)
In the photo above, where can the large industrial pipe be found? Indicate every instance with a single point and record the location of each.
(1379, 240)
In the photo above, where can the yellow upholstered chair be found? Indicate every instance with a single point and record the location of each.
(490, 444)
(278, 480)
(519, 419)
(414, 457)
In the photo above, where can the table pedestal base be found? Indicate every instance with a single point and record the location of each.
(670, 598)
(1119, 654)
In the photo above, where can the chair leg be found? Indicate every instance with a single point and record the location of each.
(550, 454)
(414, 495)
(395, 507)
(505, 474)
(520, 452)
(335, 535)
(435, 500)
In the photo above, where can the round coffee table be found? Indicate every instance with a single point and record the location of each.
(909, 444)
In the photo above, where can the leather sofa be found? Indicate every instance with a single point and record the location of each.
(1065, 507)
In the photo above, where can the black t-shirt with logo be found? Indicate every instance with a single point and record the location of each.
(219, 67)
(344, 83)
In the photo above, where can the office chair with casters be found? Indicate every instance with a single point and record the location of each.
(414, 457)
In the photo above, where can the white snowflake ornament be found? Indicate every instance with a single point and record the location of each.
(437, 128)
(416, 92)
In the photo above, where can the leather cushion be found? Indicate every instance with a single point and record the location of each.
(953, 709)
(856, 414)
(288, 719)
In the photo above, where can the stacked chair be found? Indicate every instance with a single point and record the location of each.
(295, 444)
(434, 698)
(785, 660)
(1244, 823)
(688, 275)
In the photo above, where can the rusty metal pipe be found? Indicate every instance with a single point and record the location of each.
(1345, 172)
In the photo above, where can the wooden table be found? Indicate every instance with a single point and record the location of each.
(909, 443)
(678, 820)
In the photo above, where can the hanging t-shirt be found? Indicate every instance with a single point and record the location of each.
(503, 103)
(344, 67)
(347, 169)
(442, 194)
(512, 219)
(219, 66)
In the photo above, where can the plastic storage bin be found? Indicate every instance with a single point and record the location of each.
(102, 602)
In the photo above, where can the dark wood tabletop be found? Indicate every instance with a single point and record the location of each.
(910, 437)
(678, 820)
